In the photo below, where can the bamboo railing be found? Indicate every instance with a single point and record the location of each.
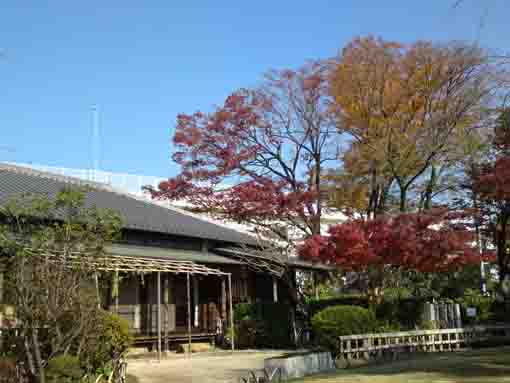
(369, 346)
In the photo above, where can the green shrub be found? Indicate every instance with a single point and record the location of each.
(403, 313)
(110, 340)
(262, 325)
(336, 321)
(64, 369)
(243, 311)
(387, 326)
(483, 304)
(316, 305)
(500, 311)
(428, 325)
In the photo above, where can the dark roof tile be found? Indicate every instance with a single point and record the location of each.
(136, 213)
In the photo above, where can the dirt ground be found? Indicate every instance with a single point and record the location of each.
(222, 368)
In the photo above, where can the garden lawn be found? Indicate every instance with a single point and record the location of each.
(479, 366)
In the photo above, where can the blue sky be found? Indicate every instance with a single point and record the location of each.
(143, 62)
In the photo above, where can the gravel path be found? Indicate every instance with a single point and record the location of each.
(225, 368)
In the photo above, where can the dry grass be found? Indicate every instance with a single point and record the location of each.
(487, 366)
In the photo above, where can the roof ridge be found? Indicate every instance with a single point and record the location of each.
(53, 176)
(104, 187)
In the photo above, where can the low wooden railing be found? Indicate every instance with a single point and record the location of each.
(368, 346)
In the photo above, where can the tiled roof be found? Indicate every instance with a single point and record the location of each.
(136, 213)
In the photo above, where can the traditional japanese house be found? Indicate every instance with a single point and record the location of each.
(178, 274)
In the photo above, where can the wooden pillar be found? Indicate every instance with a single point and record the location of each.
(166, 300)
(231, 311)
(137, 314)
(96, 283)
(159, 313)
(275, 289)
(1, 284)
(196, 301)
(117, 291)
(223, 299)
(189, 313)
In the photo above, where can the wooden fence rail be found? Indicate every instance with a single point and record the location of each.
(367, 346)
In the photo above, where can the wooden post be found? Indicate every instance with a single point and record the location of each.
(195, 300)
(137, 314)
(96, 282)
(315, 285)
(231, 311)
(189, 314)
(1, 284)
(117, 292)
(159, 314)
(223, 299)
(166, 299)
(275, 289)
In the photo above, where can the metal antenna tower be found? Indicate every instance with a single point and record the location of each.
(96, 148)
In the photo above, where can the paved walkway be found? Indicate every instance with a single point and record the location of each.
(214, 368)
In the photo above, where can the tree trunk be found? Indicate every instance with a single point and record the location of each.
(38, 357)
(317, 223)
(430, 189)
(403, 199)
(504, 272)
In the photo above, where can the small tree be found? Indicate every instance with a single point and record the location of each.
(50, 246)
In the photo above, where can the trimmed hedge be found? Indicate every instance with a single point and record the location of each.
(392, 314)
(336, 321)
(316, 305)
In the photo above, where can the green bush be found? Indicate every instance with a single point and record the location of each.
(483, 304)
(262, 325)
(500, 311)
(403, 314)
(109, 341)
(336, 321)
(316, 305)
(64, 369)
(243, 311)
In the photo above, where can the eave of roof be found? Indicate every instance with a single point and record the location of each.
(172, 254)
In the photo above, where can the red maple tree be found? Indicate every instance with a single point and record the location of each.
(432, 240)
(259, 157)
(491, 186)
